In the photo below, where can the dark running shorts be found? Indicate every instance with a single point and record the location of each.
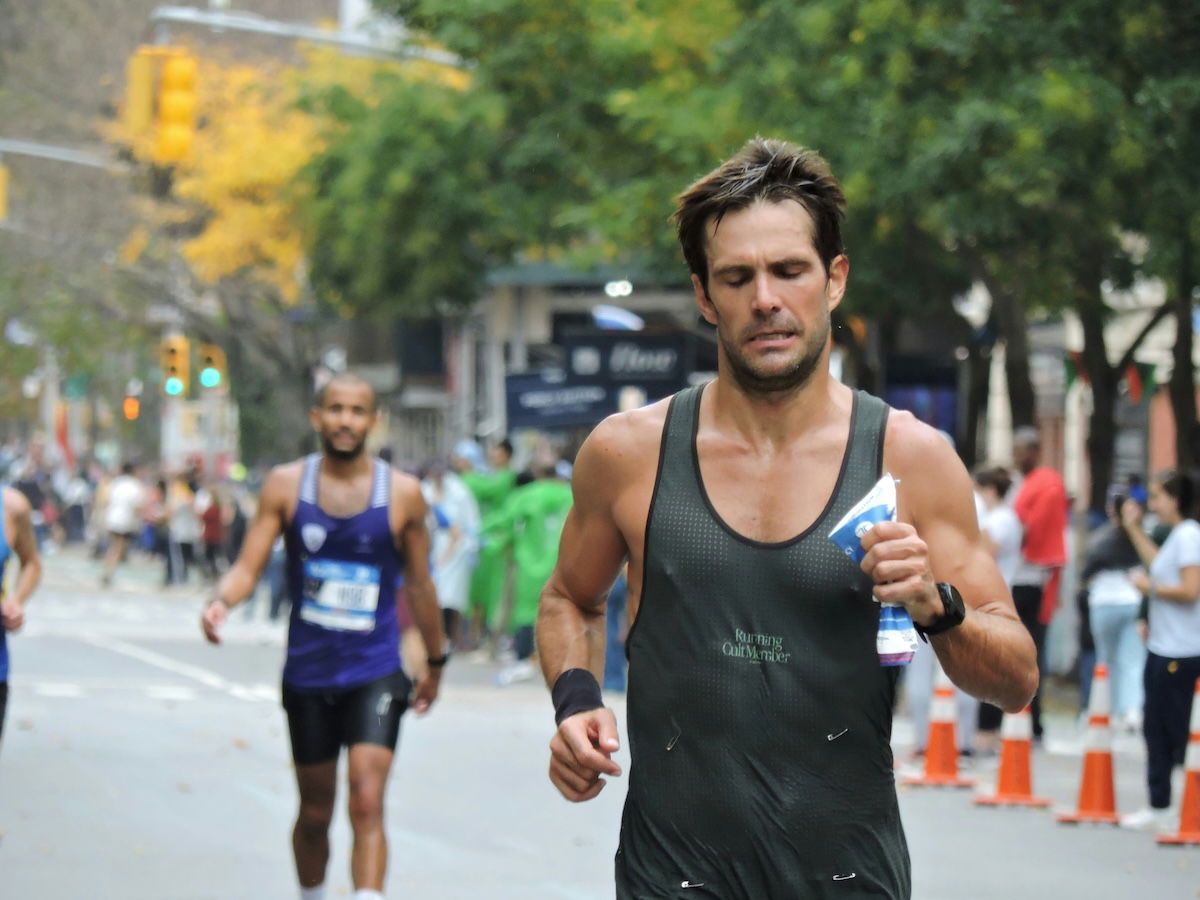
(3, 703)
(321, 722)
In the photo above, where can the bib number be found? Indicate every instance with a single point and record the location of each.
(340, 596)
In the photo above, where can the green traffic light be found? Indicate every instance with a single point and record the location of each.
(173, 386)
(210, 377)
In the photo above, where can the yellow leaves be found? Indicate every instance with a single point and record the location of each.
(246, 158)
(134, 246)
(240, 181)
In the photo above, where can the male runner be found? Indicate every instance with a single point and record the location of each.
(16, 536)
(350, 523)
(759, 715)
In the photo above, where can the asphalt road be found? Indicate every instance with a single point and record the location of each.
(138, 762)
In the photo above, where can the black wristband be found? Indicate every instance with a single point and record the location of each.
(575, 691)
(437, 661)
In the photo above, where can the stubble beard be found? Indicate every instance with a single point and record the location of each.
(750, 379)
(342, 455)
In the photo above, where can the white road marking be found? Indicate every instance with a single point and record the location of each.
(57, 689)
(170, 692)
(204, 676)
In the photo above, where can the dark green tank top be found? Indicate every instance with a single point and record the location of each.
(759, 717)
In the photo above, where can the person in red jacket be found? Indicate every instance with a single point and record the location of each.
(1041, 505)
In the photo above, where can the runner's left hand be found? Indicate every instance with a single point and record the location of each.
(897, 561)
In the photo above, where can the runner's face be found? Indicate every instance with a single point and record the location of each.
(769, 295)
(344, 418)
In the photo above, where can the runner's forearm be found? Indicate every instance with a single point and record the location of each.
(423, 602)
(236, 586)
(27, 581)
(991, 657)
(569, 636)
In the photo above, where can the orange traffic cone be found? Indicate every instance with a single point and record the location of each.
(1096, 791)
(1014, 782)
(1189, 809)
(941, 751)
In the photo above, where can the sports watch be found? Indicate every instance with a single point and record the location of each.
(953, 612)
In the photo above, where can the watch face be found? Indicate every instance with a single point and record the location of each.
(952, 601)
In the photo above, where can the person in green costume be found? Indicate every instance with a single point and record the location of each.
(531, 523)
(491, 490)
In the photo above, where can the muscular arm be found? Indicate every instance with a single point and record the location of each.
(571, 612)
(990, 655)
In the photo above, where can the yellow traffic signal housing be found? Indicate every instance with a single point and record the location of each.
(176, 109)
(3, 193)
(175, 365)
(139, 91)
(213, 367)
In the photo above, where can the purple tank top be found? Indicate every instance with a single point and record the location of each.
(341, 574)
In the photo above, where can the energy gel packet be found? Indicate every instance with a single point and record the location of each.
(896, 641)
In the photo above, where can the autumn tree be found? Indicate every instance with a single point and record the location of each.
(227, 236)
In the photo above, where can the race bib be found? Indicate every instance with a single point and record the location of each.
(340, 596)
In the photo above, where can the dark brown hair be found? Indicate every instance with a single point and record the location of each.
(764, 169)
(1181, 486)
(995, 477)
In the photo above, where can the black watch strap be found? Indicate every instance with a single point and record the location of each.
(953, 612)
(436, 662)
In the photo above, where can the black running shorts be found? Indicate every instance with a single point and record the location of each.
(3, 703)
(321, 722)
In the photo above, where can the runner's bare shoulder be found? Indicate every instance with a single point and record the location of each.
(16, 503)
(281, 487)
(624, 447)
(406, 494)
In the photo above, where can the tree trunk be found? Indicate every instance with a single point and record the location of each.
(1183, 375)
(1102, 427)
(1009, 310)
(980, 371)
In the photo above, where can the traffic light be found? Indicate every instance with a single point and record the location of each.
(131, 408)
(139, 91)
(3, 192)
(174, 358)
(176, 109)
(213, 368)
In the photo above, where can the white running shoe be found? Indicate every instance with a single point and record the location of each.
(519, 671)
(1150, 819)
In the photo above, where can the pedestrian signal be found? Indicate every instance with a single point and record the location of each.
(131, 408)
(174, 360)
(176, 109)
(212, 366)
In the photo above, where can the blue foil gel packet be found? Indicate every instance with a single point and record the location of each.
(896, 640)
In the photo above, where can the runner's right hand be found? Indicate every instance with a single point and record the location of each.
(212, 619)
(581, 751)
